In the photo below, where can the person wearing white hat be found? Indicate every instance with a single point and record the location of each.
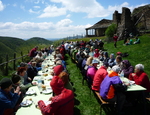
(92, 70)
(112, 89)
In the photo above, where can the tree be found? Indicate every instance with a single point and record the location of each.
(110, 31)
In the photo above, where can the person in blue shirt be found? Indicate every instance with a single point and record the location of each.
(7, 98)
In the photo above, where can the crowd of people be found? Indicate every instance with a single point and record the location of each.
(13, 90)
(88, 55)
(108, 84)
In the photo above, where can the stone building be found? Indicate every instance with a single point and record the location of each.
(139, 19)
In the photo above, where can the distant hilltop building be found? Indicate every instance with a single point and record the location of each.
(138, 20)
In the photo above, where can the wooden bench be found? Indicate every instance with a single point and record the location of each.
(102, 101)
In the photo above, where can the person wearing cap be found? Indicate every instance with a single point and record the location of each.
(119, 54)
(63, 101)
(96, 54)
(99, 77)
(140, 77)
(127, 68)
(7, 98)
(112, 89)
(92, 70)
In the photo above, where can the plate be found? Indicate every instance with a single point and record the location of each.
(49, 77)
(132, 82)
(47, 91)
(36, 78)
(30, 92)
(26, 103)
(47, 102)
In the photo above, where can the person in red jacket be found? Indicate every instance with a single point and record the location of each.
(96, 54)
(115, 37)
(140, 77)
(63, 101)
(33, 52)
(99, 76)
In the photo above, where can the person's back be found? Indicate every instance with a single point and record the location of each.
(98, 78)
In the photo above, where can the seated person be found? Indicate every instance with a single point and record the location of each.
(137, 40)
(111, 89)
(129, 42)
(21, 72)
(7, 98)
(26, 78)
(58, 69)
(32, 70)
(99, 76)
(40, 56)
(105, 57)
(96, 54)
(119, 62)
(80, 59)
(62, 103)
(111, 61)
(91, 53)
(92, 70)
(127, 68)
(65, 78)
(140, 77)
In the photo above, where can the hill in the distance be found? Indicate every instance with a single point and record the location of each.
(9, 45)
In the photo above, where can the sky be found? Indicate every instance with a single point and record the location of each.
(56, 18)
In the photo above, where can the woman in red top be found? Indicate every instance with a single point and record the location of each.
(96, 54)
(140, 77)
(115, 40)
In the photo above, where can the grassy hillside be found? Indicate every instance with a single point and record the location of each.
(10, 45)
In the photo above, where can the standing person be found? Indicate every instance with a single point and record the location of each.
(115, 37)
(33, 52)
(7, 98)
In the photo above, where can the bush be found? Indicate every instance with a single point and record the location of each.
(110, 31)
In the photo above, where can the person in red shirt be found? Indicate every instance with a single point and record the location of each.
(96, 54)
(63, 101)
(115, 37)
(140, 77)
(99, 76)
(33, 52)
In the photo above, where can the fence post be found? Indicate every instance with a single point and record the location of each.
(6, 65)
(22, 56)
(14, 61)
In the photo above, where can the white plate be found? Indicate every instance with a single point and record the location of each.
(49, 77)
(47, 102)
(36, 78)
(132, 82)
(47, 91)
(30, 92)
(26, 103)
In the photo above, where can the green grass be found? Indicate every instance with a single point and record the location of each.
(86, 103)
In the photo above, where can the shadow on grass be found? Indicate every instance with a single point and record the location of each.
(76, 111)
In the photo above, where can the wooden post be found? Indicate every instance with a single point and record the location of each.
(6, 65)
(22, 56)
(14, 61)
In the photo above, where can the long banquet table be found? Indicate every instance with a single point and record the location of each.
(44, 74)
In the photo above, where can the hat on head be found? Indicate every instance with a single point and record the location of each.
(94, 61)
(5, 83)
(106, 64)
(96, 49)
(116, 68)
(119, 53)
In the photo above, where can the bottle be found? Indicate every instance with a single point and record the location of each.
(122, 74)
(40, 85)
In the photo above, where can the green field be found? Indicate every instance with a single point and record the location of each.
(86, 103)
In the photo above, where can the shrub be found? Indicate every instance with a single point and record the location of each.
(110, 31)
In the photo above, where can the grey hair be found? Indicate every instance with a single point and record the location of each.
(140, 67)
(116, 68)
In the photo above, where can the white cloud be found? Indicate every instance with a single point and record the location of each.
(36, 7)
(1, 6)
(68, 16)
(35, 12)
(14, 5)
(61, 29)
(52, 11)
(22, 7)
